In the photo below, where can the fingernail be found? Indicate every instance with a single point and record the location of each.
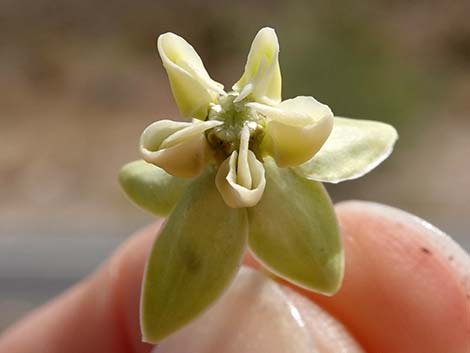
(258, 315)
(440, 243)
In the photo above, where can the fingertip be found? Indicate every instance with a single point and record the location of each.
(454, 255)
(399, 283)
(328, 333)
(122, 276)
(260, 315)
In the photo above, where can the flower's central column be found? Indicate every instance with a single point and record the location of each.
(225, 138)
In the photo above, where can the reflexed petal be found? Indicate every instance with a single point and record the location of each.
(178, 148)
(192, 87)
(297, 128)
(234, 194)
(294, 232)
(193, 259)
(240, 179)
(262, 76)
(354, 148)
(151, 187)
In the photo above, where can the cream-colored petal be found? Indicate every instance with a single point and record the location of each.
(228, 180)
(262, 76)
(296, 130)
(192, 86)
(298, 111)
(178, 148)
(196, 128)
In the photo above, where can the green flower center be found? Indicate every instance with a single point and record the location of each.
(225, 139)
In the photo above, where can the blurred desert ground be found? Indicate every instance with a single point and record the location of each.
(79, 80)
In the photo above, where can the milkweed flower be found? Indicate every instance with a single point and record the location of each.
(245, 170)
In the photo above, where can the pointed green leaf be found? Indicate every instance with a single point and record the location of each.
(151, 187)
(354, 148)
(294, 232)
(193, 259)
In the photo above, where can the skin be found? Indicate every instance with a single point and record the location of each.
(402, 292)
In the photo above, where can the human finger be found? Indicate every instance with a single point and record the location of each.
(407, 284)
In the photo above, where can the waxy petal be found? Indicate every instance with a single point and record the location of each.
(192, 86)
(193, 260)
(354, 148)
(179, 148)
(294, 232)
(297, 128)
(240, 179)
(151, 187)
(262, 77)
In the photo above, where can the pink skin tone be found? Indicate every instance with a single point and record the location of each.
(406, 289)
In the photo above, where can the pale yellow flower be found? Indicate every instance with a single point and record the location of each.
(244, 172)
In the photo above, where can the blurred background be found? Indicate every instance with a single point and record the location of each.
(79, 80)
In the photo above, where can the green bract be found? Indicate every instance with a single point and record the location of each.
(151, 187)
(193, 259)
(293, 231)
(245, 171)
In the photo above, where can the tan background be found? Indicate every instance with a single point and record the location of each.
(79, 80)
